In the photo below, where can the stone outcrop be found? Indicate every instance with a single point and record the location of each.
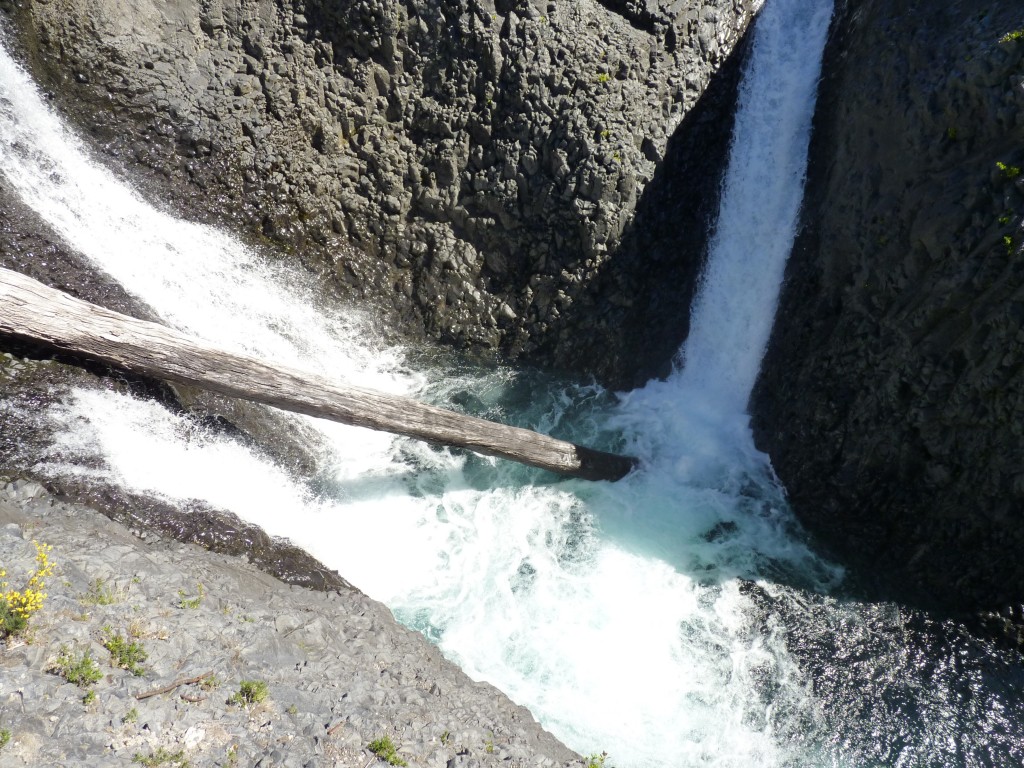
(892, 395)
(472, 166)
(339, 672)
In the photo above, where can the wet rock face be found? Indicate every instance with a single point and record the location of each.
(892, 395)
(484, 158)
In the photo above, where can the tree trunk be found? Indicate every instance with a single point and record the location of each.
(31, 310)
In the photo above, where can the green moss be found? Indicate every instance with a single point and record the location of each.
(1008, 171)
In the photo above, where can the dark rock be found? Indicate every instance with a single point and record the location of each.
(375, 126)
(892, 397)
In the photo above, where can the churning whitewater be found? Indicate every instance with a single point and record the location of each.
(615, 612)
(629, 617)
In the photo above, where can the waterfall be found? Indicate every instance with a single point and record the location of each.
(620, 614)
(734, 308)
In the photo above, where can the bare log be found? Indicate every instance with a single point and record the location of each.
(31, 310)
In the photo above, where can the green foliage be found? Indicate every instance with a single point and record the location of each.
(384, 748)
(1016, 34)
(951, 133)
(598, 760)
(100, 593)
(126, 655)
(1008, 171)
(184, 601)
(11, 623)
(209, 683)
(89, 698)
(5, 737)
(78, 670)
(603, 77)
(17, 606)
(250, 692)
(161, 757)
(131, 716)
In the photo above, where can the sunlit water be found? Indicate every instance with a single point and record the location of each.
(674, 618)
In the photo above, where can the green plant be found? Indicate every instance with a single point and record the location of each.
(446, 737)
(89, 698)
(126, 655)
(598, 760)
(5, 737)
(184, 601)
(160, 757)
(951, 133)
(100, 593)
(250, 692)
(131, 716)
(1008, 171)
(292, 709)
(17, 606)
(209, 683)
(79, 670)
(1016, 34)
(384, 748)
(603, 77)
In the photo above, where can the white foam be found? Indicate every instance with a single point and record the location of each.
(614, 611)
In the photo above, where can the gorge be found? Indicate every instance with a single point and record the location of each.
(681, 616)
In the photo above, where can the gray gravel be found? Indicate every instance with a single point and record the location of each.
(340, 671)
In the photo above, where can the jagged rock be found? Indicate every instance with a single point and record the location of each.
(892, 399)
(394, 126)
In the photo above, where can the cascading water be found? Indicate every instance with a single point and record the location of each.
(665, 618)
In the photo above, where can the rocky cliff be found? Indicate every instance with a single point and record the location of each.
(474, 167)
(892, 395)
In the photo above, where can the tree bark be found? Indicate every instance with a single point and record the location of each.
(31, 310)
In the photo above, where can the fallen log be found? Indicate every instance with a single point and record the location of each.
(31, 310)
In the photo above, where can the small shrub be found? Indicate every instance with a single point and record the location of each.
(100, 593)
(161, 757)
(604, 77)
(89, 698)
(17, 606)
(598, 760)
(131, 716)
(126, 655)
(5, 737)
(184, 601)
(384, 748)
(79, 670)
(250, 692)
(1016, 34)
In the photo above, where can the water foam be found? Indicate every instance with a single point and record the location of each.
(616, 612)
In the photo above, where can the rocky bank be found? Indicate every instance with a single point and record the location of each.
(340, 672)
(892, 395)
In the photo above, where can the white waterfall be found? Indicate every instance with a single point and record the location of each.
(613, 611)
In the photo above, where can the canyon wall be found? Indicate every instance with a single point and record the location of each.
(892, 395)
(472, 167)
